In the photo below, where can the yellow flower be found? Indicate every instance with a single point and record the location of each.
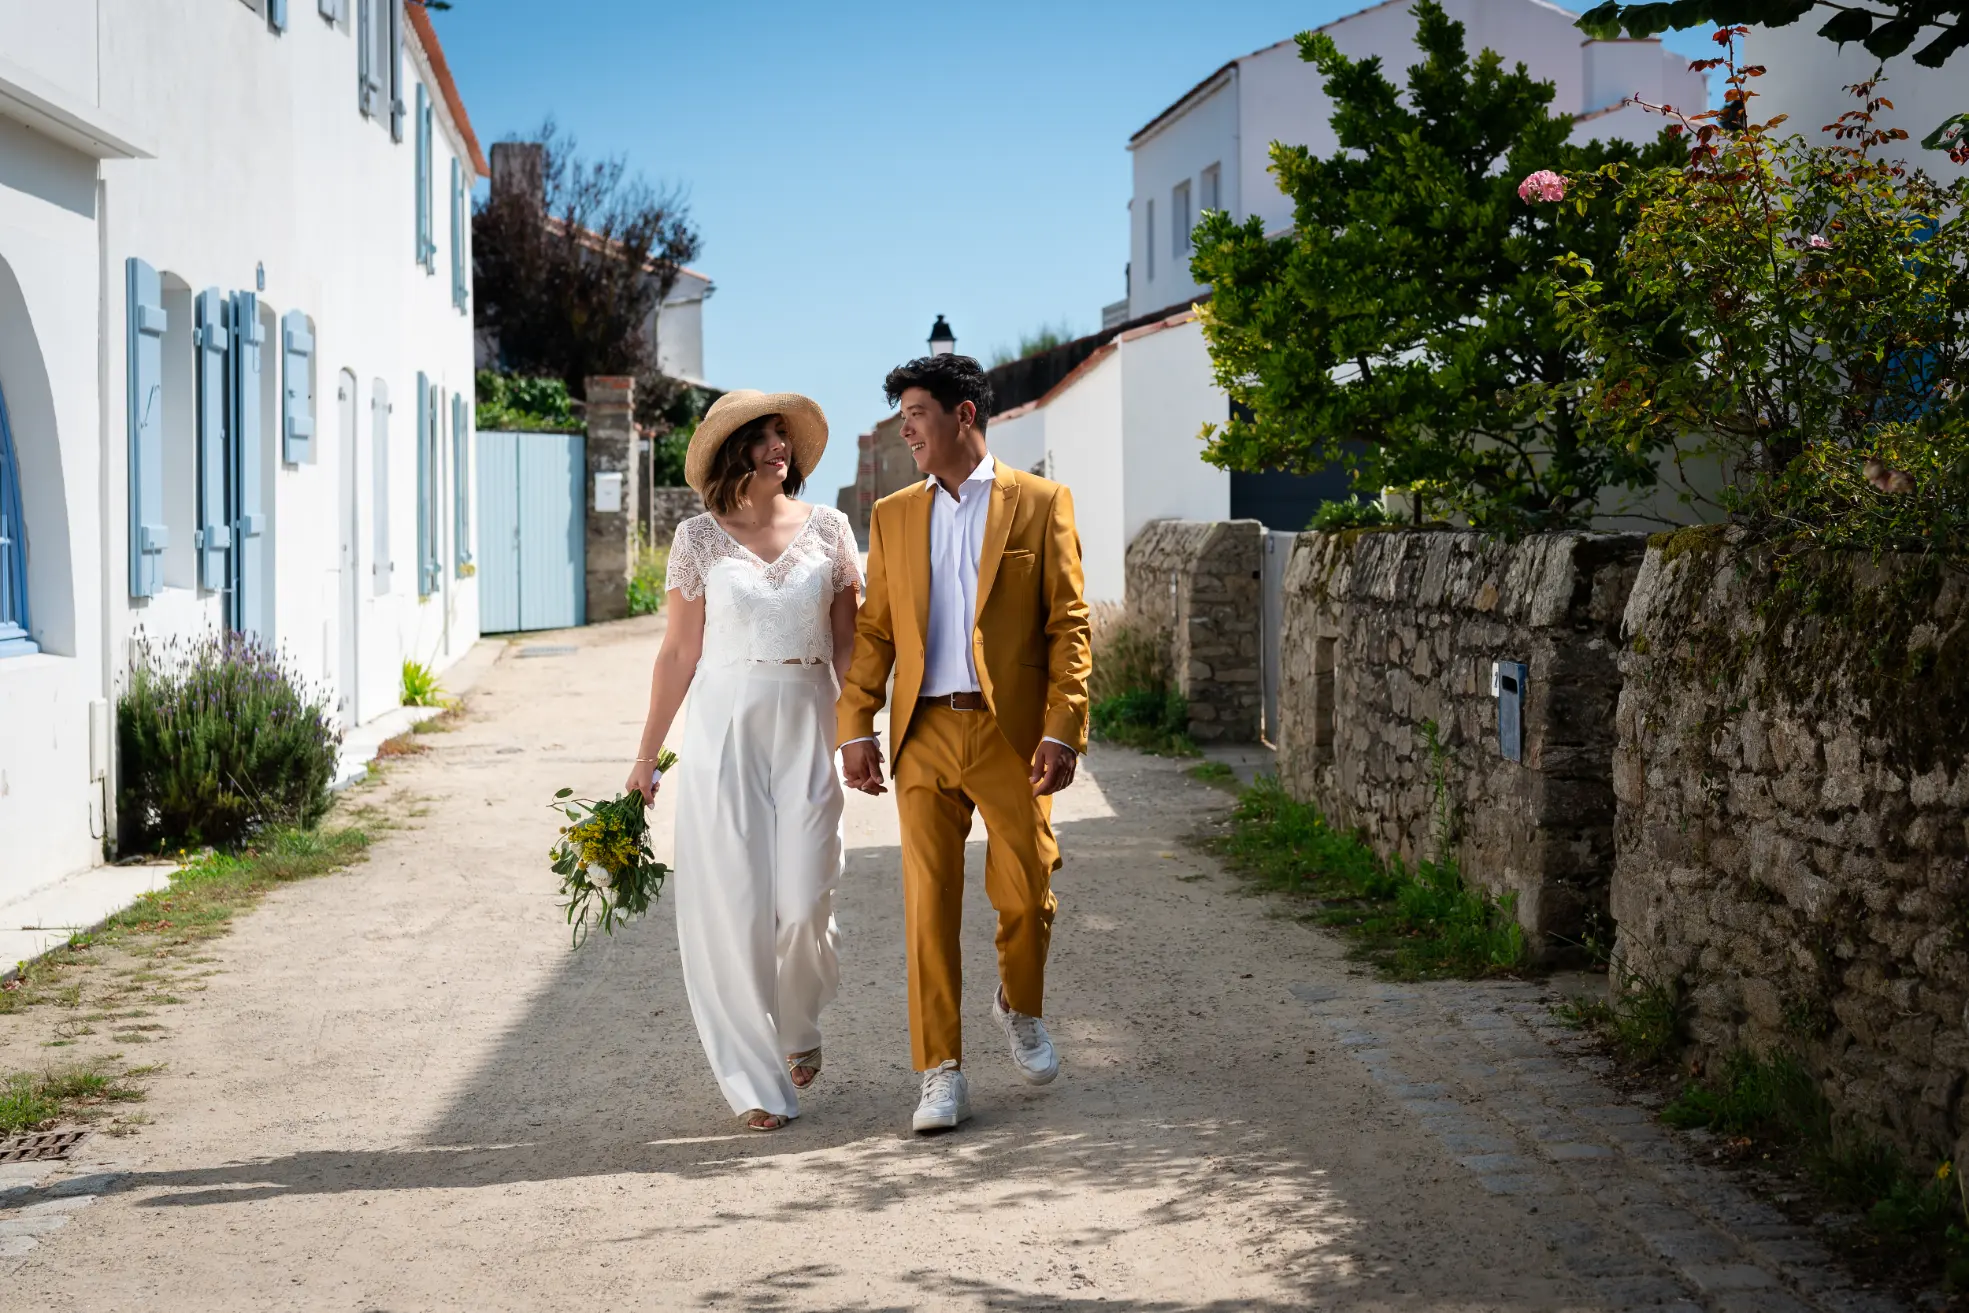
(1942, 1172)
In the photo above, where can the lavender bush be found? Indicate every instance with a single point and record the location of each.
(219, 739)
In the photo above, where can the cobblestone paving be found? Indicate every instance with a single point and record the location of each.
(1512, 1096)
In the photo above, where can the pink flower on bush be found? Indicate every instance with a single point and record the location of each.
(1818, 243)
(1543, 185)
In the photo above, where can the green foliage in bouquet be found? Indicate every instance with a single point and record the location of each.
(218, 739)
(608, 874)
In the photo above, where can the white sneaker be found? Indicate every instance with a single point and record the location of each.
(1032, 1047)
(946, 1099)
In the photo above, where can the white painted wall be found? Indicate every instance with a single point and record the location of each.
(1083, 431)
(261, 159)
(1167, 396)
(1019, 440)
(1806, 75)
(1273, 95)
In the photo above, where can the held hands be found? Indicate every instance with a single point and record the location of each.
(643, 780)
(1052, 768)
(861, 767)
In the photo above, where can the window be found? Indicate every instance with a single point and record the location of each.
(1150, 244)
(1213, 188)
(14, 619)
(1181, 219)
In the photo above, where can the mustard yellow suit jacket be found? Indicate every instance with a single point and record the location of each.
(1030, 636)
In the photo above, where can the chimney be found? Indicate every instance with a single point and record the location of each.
(519, 166)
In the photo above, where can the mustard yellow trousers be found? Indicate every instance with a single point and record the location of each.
(954, 763)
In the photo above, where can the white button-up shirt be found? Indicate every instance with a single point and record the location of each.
(957, 528)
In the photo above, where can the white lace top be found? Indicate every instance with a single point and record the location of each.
(756, 610)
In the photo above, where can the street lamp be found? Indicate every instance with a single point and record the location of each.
(942, 340)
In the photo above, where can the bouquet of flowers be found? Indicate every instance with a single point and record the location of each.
(608, 874)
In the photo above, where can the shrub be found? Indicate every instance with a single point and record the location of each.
(219, 738)
(420, 686)
(1410, 924)
(1800, 310)
(1348, 513)
(508, 402)
(646, 581)
(1132, 702)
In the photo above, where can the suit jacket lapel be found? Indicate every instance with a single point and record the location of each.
(998, 527)
(916, 551)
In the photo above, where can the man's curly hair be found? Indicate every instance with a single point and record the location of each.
(951, 379)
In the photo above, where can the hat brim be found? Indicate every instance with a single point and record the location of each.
(806, 429)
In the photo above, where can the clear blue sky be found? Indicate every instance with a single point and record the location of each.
(858, 169)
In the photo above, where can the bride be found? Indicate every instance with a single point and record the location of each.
(761, 626)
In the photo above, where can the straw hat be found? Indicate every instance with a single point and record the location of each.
(806, 429)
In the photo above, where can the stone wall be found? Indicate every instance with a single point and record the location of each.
(1390, 632)
(670, 507)
(1196, 584)
(611, 534)
(1793, 832)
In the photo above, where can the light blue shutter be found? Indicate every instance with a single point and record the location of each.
(423, 125)
(214, 535)
(457, 234)
(329, 9)
(277, 15)
(16, 624)
(148, 537)
(461, 484)
(297, 390)
(248, 520)
(366, 57)
(393, 61)
(425, 583)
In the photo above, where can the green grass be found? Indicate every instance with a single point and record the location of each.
(31, 1100)
(1911, 1219)
(200, 902)
(1213, 772)
(1148, 720)
(648, 580)
(1642, 1021)
(1411, 925)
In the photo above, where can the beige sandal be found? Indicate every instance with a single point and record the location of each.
(758, 1119)
(798, 1062)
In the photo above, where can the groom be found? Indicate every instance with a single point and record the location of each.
(974, 602)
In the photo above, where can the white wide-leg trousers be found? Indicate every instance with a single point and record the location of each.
(758, 858)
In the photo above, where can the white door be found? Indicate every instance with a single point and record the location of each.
(348, 584)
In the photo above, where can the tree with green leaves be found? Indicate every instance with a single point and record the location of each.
(1396, 324)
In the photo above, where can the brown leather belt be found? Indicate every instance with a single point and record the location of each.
(955, 701)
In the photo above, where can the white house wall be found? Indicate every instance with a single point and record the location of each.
(1806, 76)
(262, 162)
(1167, 396)
(1019, 440)
(1083, 432)
(50, 809)
(1273, 95)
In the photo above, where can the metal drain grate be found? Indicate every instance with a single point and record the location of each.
(548, 649)
(33, 1148)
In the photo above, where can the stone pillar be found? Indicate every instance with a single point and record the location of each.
(612, 483)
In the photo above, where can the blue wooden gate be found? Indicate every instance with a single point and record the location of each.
(532, 533)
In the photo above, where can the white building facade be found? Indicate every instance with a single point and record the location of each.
(1121, 432)
(236, 366)
(1210, 150)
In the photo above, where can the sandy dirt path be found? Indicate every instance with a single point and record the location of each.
(403, 1092)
